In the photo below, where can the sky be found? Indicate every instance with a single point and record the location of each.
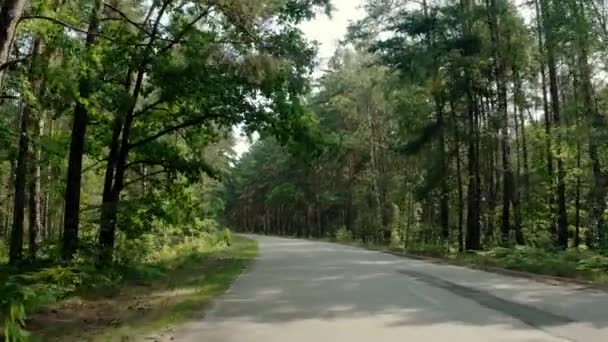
(327, 32)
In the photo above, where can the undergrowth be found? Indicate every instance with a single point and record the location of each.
(583, 265)
(580, 264)
(30, 286)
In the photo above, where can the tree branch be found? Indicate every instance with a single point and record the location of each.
(9, 97)
(148, 107)
(126, 18)
(139, 26)
(146, 162)
(172, 129)
(13, 62)
(183, 32)
(139, 179)
(64, 24)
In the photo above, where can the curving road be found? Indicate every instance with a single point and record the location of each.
(302, 291)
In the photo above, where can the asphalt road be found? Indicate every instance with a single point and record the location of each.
(300, 291)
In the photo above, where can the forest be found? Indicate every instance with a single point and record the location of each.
(446, 127)
(466, 129)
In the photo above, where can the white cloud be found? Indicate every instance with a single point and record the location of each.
(328, 31)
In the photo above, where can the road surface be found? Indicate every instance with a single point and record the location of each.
(303, 291)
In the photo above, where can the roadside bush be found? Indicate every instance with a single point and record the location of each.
(224, 237)
(23, 293)
(344, 235)
(571, 263)
(428, 249)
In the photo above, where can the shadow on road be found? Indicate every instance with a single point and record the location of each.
(296, 281)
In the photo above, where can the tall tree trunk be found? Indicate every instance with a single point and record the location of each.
(540, 26)
(10, 13)
(492, 187)
(577, 205)
(35, 131)
(35, 223)
(375, 188)
(524, 151)
(46, 214)
(517, 215)
(16, 245)
(501, 87)
(562, 217)
(520, 122)
(109, 199)
(473, 234)
(597, 126)
(458, 179)
(10, 181)
(444, 208)
(74, 177)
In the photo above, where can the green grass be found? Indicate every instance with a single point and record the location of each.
(580, 265)
(583, 265)
(150, 302)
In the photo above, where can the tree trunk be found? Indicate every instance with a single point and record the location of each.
(473, 236)
(458, 180)
(10, 13)
(10, 187)
(35, 215)
(109, 199)
(524, 151)
(516, 199)
(597, 126)
(562, 217)
(501, 87)
(543, 70)
(46, 214)
(374, 186)
(74, 177)
(444, 209)
(16, 246)
(577, 205)
(35, 131)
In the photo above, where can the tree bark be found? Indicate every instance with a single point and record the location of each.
(540, 26)
(473, 236)
(516, 198)
(577, 205)
(16, 245)
(35, 224)
(10, 13)
(46, 212)
(74, 177)
(35, 132)
(444, 209)
(458, 180)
